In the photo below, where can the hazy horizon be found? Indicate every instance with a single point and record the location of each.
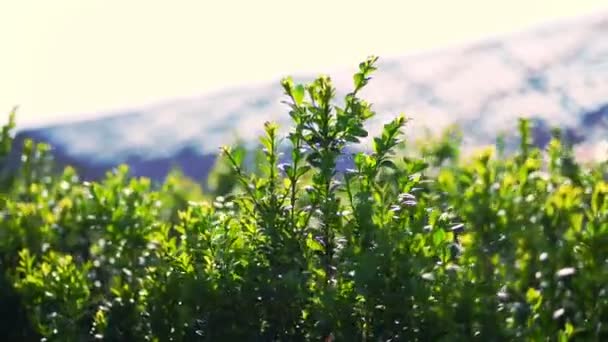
(67, 59)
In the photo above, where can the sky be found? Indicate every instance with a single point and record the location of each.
(72, 59)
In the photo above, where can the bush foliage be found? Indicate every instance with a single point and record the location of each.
(429, 247)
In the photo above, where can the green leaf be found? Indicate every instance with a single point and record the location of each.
(314, 245)
(298, 94)
(438, 237)
(359, 80)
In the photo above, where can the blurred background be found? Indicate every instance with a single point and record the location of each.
(162, 83)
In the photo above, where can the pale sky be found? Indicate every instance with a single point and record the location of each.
(65, 59)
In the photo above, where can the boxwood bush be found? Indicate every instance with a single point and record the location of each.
(426, 246)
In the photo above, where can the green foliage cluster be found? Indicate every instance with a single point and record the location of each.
(426, 248)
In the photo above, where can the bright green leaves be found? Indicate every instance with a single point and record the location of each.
(525, 131)
(567, 333)
(565, 198)
(6, 135)
(351, 118)
(295, 92)
(416, 246)
(362, 77)
(298, 94)
(439, 237)
(314, 245)
(57, 290)
(599, 199)
(534, 298)
(389, 138)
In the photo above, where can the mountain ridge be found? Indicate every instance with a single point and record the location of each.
(556, 75)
